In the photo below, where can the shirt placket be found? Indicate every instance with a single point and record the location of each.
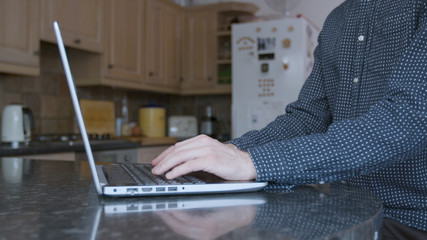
(366, 8)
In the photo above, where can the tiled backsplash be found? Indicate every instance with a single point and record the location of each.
(48, 97)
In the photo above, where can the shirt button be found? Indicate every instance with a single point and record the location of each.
(356, 80)
(361, 38)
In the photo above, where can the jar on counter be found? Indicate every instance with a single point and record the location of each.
(152, 120)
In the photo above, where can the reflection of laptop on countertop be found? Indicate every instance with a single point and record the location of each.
(136, 179)
(115, 205)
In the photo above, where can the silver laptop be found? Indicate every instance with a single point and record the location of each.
(137, 179)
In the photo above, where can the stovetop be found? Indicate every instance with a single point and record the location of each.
(65, 137)
(51, 143)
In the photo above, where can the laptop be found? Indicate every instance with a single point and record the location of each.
(136, 179)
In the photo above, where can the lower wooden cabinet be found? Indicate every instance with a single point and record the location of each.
(147, 154)
(61, 156)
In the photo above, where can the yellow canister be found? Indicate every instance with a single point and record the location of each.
(152, 120)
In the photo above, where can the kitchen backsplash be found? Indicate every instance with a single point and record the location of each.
(48, 97)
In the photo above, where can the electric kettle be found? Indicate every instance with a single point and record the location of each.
(17, 124)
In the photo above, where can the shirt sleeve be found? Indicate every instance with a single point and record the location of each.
(393, 130)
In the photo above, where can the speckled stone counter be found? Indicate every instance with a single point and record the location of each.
(57, 200)
(55, 147)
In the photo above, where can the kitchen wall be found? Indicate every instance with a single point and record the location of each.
(48, 97)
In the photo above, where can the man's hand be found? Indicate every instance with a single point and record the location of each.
(203, 153)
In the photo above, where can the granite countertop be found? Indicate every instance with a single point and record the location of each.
(67, 146)
(57, 200)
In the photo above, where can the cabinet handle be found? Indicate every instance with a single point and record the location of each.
(77, 41)
(110, 66)
(150, 74)
(209, 79)
(181, 79)
(37, 52)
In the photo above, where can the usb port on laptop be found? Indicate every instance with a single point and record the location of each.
(172, 189)
(160, 189)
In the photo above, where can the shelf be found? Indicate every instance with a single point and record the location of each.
(224, 80)
(223, 61)
(224, 33)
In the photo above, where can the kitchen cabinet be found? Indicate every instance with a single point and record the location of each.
(125, 29)
(228, 15)
(134, 54)
(81, 22)
(173, 45)
(62, 156)
(199, 61)
(147, 154)
(207, 64)
(154, 46)
(19, 37)
(122, 63)
(157, 45)
(164, 30)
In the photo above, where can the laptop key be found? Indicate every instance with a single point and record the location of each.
(146, 170)
(194, 180)
(141, 173)
(136, 175)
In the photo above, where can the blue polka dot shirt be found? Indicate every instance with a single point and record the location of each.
(361, 116)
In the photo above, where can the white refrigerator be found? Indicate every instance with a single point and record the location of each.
(270, 63)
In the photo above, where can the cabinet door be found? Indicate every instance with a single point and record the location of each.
(173, 46)
(200, 50)
(19, 37)
(154, 46)
(124, 40)
(80, 22)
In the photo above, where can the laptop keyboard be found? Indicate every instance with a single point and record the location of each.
(141, 174)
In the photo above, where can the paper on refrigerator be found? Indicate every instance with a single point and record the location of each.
(261, 113)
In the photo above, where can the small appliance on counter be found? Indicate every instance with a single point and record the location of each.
(182, 127)
(17, 124)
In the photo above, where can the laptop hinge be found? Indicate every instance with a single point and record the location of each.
(101, 175)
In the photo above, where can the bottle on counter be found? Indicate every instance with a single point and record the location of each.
(209, 123)
(126, 128)
(125, 113)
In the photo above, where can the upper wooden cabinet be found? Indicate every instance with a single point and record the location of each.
(157, 45)
(173, 45)
(19, 37)
(142, 48)
(81, 22)
(199, 52)
(125, 31)
(207, 54)
(154, 45)
(163, 44)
